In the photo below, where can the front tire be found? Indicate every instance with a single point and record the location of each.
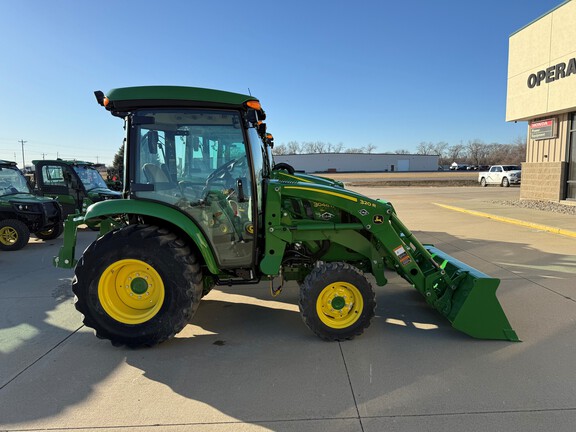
(14, 235)
(52, 233)
(336, 302)
(505, 182)
(137, 286)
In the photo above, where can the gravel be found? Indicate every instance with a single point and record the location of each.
(547, 206)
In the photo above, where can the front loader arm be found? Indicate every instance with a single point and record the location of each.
(374, 232)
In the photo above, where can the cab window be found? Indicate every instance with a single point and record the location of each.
(198, 161)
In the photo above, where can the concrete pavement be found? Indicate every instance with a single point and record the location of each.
(248, 363)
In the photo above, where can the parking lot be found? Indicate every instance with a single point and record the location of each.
(247, 362)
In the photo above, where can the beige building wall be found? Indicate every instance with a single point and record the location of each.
(545, 43)
(542, 85)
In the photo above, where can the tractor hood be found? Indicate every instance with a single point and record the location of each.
(305, 178)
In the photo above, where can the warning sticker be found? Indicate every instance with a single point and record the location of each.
(402, 255)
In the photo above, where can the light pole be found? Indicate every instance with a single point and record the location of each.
(23, 163)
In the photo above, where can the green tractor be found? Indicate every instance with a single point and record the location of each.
(22, 212)
(205, 205)
(75, 184)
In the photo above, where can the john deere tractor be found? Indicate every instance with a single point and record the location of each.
(205, 205)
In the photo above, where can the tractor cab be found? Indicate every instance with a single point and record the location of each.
(195, 161)
(206, 164)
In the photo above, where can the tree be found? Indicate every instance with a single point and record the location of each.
(369, 148)
(280, 149)
(355, 150)
(477, 152)
(118, 162)
(455, 151)
(293, 147)
(425, 148)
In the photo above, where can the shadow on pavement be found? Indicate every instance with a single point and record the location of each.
(249, 357)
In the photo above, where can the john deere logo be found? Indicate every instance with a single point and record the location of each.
(378, 219)
(250, 229)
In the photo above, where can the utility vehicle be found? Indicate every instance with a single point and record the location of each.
(75, 184)
(22, 212)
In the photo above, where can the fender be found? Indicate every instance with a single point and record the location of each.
(160, 211)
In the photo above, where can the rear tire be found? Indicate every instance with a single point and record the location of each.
(336, 302)
(52, 233)
(483, 182)
(137, 286)
(14, 235)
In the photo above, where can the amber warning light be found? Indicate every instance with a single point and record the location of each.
(254, 104)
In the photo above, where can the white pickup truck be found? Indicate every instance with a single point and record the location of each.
(503, 175)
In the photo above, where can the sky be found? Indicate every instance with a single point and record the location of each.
(358, 73)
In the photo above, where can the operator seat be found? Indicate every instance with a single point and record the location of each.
(155, 174)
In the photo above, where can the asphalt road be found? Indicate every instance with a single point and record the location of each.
(248, 363)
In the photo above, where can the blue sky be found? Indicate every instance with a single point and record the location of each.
(389, 74)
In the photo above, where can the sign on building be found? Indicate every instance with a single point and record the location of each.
(543, 129)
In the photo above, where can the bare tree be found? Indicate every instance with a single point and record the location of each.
(455, 152)
(425, 148)
(369, 148)
(280, 149)
(440, 149)
(477, 152)
(314, 147)
(293, 147)
(401, 151)
(355, 150)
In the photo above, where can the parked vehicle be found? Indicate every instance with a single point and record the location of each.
(206, 205)
(75, 184)
(458, 167)
(502, 175)
(22, 212)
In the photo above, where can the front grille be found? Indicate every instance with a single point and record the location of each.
(52, 211)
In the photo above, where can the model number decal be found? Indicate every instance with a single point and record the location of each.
(368, 203)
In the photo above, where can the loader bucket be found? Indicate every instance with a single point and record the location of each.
(472, 306)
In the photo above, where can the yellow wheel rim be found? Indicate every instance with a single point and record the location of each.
(8, 236)
(339, 305)
(131, 291)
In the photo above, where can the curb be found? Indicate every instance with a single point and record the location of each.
(537, 226)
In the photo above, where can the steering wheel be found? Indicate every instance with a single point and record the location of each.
(223, 175)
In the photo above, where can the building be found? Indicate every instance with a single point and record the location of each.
(542, 92)
(359, 162)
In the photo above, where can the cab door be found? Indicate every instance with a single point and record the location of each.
(199, 161)
(58, 181)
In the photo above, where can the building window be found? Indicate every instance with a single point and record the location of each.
(571, 158)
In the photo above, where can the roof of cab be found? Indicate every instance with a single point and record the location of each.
(148, 96)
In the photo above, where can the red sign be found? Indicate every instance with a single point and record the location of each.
(543, 129)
